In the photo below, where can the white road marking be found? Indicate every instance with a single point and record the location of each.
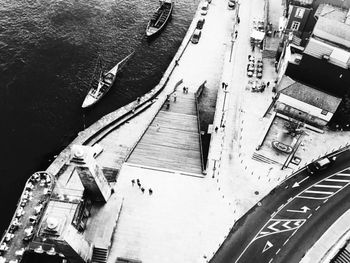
(325, 201)
(328, 186)
(318, 192)
(267, 246)
(309, 216)
(336, 180)
(278, 251)
(270, 260)
(343, 174)
(271, 227)
(285, 242)
(303, 210)
(317, 208)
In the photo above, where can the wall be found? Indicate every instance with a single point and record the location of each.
(301, 111)
(321, 74)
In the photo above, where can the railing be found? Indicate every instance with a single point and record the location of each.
(197, 94)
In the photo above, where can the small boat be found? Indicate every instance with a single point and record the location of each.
(105, 82)
(159, 18)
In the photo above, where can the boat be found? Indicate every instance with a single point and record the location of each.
(105, 82)
(160, 18)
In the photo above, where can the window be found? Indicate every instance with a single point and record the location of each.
(299, 13)
(324, 112)
(295, 26)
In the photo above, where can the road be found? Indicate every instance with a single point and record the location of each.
(291, 218)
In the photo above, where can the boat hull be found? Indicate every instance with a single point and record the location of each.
(152, 30)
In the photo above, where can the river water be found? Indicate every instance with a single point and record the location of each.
(48, 54)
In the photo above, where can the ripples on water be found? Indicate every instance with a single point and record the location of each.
(48, 52)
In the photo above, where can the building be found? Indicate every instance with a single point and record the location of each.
(325, 59)
(305, 104)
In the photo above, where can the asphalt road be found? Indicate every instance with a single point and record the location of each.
(291, 218)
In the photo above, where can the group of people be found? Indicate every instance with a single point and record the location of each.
(150, 191)
(185, 90)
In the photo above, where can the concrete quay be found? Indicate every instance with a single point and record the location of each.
(189, 215)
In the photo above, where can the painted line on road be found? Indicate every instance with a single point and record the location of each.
(343, 174)
(317, 208)
(328, 186)
(325, 201)
(285, 242)
(337, 180)
(278, 251)
(270, 260)
(318, 192)
(309, 216)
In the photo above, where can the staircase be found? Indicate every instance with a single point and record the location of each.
(342, 257)
(263, 159)
(99, 255)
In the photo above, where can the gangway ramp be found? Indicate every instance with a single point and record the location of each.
(172, 140)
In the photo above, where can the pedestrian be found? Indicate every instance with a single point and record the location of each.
(216, 129)
(138, 100)
(184, 89)
(150, 191)
(142, 189)
(267, 84)
(236, 33)
(139, 184)
(249, 56)
(176, 62)
(132, 182)
(157, 127)
(174, 96)
(238, 20)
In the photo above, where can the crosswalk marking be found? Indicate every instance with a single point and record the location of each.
(328, 186)
(336, 180)
(341, 174)
(318, 192)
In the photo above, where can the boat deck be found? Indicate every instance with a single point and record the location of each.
(172, 140)
(27, 215)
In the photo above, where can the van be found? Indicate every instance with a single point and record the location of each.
(196, 36)
(204, 8)
(319, 165)
(200, 23)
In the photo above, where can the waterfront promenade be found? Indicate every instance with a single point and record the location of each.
(189, 215)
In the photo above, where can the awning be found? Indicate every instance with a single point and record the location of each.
(257, 35)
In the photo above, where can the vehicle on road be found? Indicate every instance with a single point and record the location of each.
(231, 4)
(204, 8)
(200, 23)
(196, 36)
(319, 165)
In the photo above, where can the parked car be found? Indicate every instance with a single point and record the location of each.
(204, 8)
(200, 23)
(231, 4)
(319, 165)
(196, 36)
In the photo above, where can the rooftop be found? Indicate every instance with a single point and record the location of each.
(308, 95)
(333, 25)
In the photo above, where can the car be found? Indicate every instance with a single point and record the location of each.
(196, 36)
(231, 4)
(200, 23)
(204, 8)
(319, 165)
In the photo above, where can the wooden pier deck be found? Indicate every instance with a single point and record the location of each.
(172, 140)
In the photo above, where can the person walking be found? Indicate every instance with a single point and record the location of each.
(138, 183)
(184, 89)
(150, 191)
(132, 182)
(174, 96)
(267, 84)
(157, 127)
(142, 189)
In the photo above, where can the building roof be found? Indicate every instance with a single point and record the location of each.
(308, 95)
(302, 2)
(333, 25)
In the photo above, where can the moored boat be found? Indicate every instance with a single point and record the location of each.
(160, 18)
(105, 82)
